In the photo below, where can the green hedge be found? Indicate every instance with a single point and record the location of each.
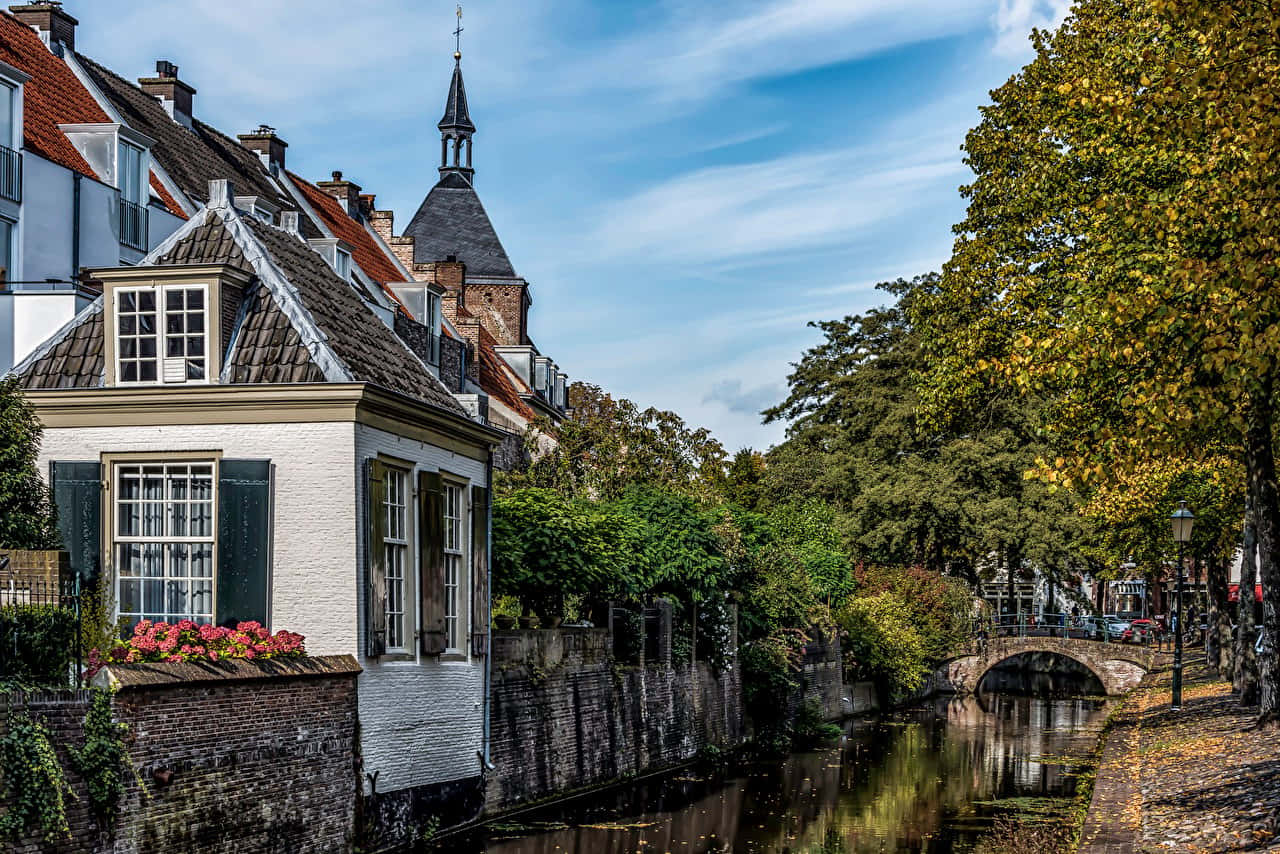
(37, 644)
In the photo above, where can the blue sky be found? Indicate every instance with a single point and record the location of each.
(685, 183)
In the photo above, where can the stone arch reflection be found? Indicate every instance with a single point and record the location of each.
(1041, 674)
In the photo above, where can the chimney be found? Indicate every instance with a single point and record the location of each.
(402, 248)
(383, 223)
(176, 96)
(346, 192)
(269, 147)
(366, 204)
(47, 18)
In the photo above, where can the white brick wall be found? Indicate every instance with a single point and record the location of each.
(421, 720)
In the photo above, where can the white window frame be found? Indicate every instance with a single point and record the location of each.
(140, 187)
(166, 373)
(397, 555)
(342, 263)
(456, 551)
(10, 262)
(15, 114)
(166, 540)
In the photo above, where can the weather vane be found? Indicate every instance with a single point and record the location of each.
(457, 36)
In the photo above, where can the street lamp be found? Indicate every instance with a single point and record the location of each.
(1182, 521)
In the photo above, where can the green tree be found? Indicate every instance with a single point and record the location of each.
(27, 518)
(884, 644)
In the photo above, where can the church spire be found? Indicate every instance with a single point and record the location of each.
(456, 127)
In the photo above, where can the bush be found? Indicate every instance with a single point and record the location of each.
(186, 641)
(35, 787)
(767, 683)
(38, 643)
(102, 760)
(883, 644)
(809, 727)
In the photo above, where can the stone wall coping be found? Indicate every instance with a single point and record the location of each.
(124, 677)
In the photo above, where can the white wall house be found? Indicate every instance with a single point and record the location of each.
(233, 439)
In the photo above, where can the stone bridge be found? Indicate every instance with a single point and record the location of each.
(1118, 666)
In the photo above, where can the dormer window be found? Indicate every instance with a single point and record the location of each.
(120, 156)
(259, 207)
(336, 253)
(161, 333)
(165, 323)
(343, 265)
(423, 303)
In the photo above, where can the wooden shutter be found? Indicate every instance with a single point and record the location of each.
(479, 570)
(77, 493)
(431, 561)
(375, 599)
(244, 542)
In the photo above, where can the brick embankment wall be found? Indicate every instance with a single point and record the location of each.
(566, 717)
(821, 679)
(230, 757)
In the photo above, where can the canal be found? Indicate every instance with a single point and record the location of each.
(926, 779)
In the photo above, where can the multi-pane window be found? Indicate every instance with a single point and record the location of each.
(454, 513)
(395, 546)
(164, 535)
(169, 320)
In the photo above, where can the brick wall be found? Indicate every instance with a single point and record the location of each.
(821, 678)
(262, 757)
(500, 308)
(45, 571)
(566, 717)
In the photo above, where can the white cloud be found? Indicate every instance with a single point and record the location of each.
(1015, 19)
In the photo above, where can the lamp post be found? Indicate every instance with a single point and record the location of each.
(1182, 521)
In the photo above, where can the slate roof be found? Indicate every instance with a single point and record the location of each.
(452, 221)
(456, 116)
(288, 331)
(53, 96)
(193, 156)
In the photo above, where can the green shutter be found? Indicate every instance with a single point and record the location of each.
(431, 561)
(375, 598)
(77, 493)
(479, 570)
(244, 542)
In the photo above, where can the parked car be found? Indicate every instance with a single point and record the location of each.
(1115, 626)
(1140, 631)
(1089, 627)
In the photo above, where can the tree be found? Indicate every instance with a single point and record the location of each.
(607, 445)
(27, 518)
(1118, 253)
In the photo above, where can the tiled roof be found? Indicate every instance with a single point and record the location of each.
(452, 221)
(52, 97)
(170, 203)
(495, 381)
(364, 249)
(75, 359)
(193, 156)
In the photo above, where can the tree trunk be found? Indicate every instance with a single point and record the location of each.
(1219, 634)
(1262, 464)
(1245, 676)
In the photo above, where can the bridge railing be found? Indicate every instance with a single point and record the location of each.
(1086, 627)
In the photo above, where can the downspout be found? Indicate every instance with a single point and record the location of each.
(486, 761)
(75, 226)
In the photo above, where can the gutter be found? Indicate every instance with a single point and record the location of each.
(486, 760)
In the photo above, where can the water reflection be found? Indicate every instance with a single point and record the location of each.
(921, 781)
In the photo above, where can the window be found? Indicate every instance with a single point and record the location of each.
(131, 181)
(10, 142)
(454, 513)
(396, 553)
(7, 255)
(343, 265)
(8, 115)
(169, 320)
(164, 530)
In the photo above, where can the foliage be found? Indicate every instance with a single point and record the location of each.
(810, 728)
(940, 608)
(102, 761)
(1010, 836)
(767, 683)
(27, 519)
(39, 644)
(679, 549)
(883, 643)
(608, 445)
(35, 787)
(187, 641)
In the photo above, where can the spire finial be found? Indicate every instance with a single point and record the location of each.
(457, 37)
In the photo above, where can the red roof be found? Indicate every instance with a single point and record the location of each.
(364, 248)
(494, 379)
(52, 97)
(169, 201)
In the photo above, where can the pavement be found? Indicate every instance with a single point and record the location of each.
(1200, 780)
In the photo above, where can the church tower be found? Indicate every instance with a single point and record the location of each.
(456, 128)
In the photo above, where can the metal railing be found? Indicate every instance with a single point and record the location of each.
(10, 174)
(134, 225)
(20, 593)
(1086, 627)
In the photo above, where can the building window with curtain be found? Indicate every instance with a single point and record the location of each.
(164, 541)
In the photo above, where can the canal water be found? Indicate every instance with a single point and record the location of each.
(927, 779)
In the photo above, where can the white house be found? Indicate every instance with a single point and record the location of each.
(232, 433)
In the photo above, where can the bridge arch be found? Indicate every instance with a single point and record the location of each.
(1119, 667)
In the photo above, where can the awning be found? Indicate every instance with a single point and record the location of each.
(1234, 594)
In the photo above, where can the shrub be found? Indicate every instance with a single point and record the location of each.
(34, 784)
(883, 644)
(103, 759)
(39, 643)
(186, 641)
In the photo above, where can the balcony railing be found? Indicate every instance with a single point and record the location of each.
(133, 225)
(10, 174)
